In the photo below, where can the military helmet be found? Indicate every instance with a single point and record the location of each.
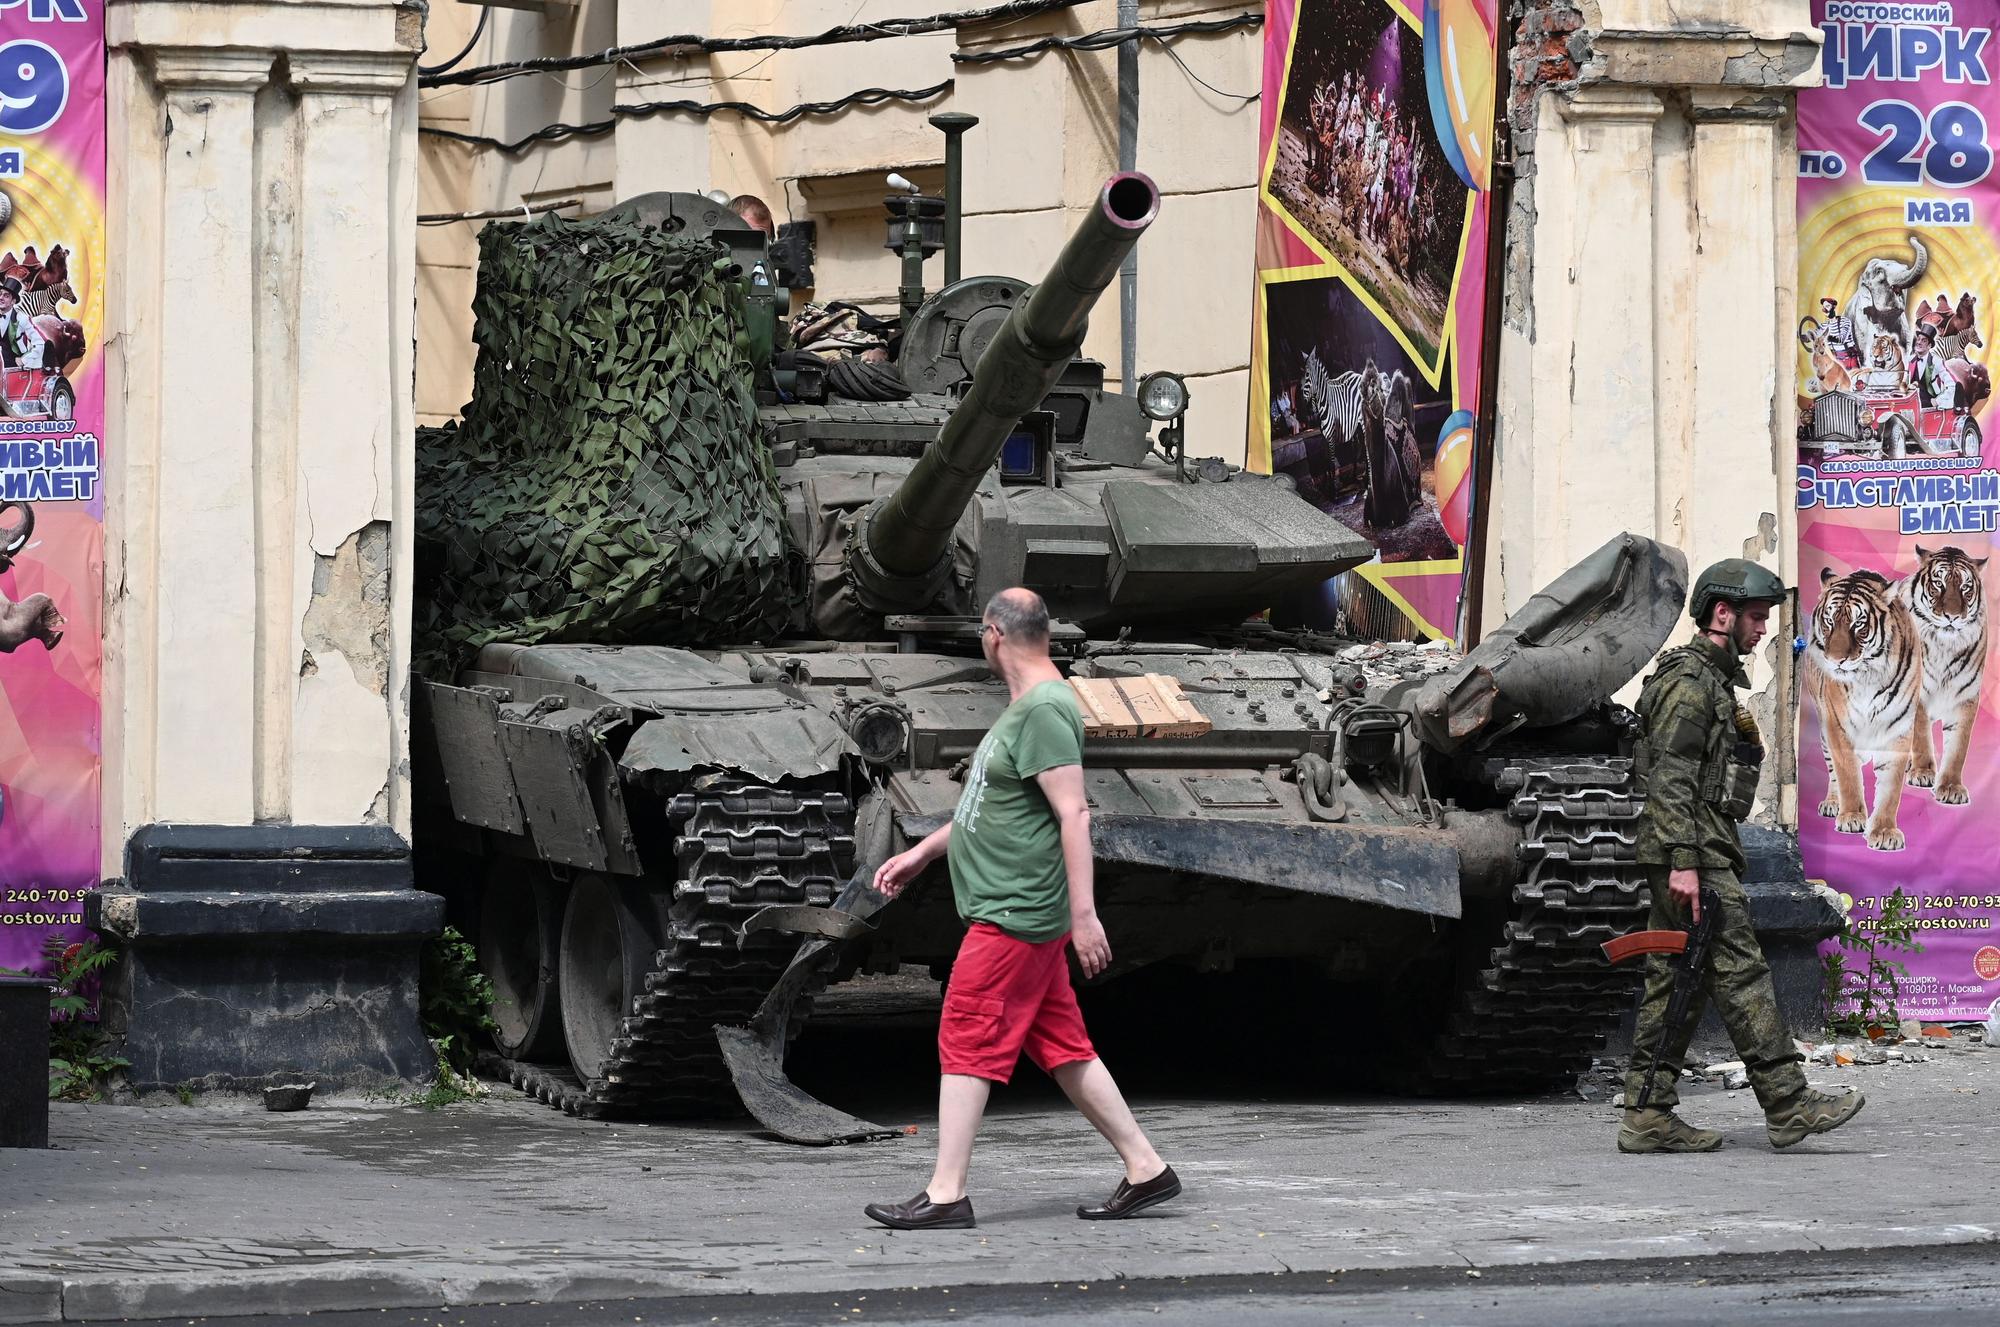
(1737, 580)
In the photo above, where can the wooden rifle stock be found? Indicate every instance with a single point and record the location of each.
(1692, 945)
(1640, 943)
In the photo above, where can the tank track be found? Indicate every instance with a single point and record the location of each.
(737, 849)
(1538, 1011)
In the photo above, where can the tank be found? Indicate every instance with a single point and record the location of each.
(670, 848)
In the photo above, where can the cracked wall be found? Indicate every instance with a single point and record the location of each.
(1648, 297)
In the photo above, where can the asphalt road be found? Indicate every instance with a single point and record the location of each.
(1307, 1195)
(1912, 1286)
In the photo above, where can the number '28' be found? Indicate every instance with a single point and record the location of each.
(1957, 155)
(34, 87)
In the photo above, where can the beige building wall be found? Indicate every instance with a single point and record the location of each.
(1046, 142)
(455, 177)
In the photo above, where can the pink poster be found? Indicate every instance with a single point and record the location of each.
(1899, 746)
(51, 446)
(1372, 226)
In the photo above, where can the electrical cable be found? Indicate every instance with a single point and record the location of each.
(478, 30)
(1108, 38)
(1245, 97)
(1092, 41)
(846, 32)
(557, 132)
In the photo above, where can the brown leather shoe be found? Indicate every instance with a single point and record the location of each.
(1129, 1198)
(920, 1213)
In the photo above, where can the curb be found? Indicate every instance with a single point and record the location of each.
(280, 1292)
(294, 1290)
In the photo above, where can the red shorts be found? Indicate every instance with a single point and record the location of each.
(1007, 996)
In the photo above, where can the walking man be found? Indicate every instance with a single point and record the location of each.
(1702, 756)
(1020, 859)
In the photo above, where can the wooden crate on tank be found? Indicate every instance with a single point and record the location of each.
(1149, 705)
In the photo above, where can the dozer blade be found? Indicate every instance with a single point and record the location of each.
(756, 1054)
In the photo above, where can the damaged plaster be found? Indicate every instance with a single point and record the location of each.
(349, 609)
(1551, 42)
(340, 710)
(1766, 538)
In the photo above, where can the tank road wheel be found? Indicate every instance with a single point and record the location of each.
(520, 939)
(648, 969)
(608, 942)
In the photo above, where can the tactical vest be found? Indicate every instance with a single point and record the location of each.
(1732, 750)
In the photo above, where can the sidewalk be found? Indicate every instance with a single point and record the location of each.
(223, 1209)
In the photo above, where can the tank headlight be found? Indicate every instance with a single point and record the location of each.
(880, 732)
(1163, 396)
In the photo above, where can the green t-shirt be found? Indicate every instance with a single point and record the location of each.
(1006, 845)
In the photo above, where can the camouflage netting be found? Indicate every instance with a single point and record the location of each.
(607, 483)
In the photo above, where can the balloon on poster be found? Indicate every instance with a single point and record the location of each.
(1454, 476)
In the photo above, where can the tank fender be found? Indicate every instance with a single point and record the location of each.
(1411, 868)
(787, 742)
(527, 757)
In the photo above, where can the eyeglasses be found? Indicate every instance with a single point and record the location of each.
(985, 627)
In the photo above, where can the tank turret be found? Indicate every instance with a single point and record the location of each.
(900, 554)
(1037, 475)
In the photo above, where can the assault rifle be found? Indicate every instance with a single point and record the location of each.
(1692, 945)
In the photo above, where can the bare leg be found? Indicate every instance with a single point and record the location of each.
(961, 1103)
(1089, 1085)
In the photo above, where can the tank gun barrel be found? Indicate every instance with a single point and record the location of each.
(901, 549)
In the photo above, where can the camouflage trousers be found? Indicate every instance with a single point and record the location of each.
(1738, 981)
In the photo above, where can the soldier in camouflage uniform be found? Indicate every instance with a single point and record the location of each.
(1702, 758)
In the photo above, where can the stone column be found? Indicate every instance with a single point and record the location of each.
(351, 444)
(1644, 338)
(258, 521)
(1576, 444)
(1645, 351)
(1743, 423)
(205, 592)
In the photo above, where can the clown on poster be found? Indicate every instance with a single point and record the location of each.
(1899, 207)
(52, 265)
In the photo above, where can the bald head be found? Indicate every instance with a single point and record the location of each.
(1020, 614)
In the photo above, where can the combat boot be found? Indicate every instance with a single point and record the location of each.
(1663, 1131)
(1813, 1112)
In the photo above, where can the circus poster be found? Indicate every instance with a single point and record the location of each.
(1899, 756)
(51, 446)
(1372, 242)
